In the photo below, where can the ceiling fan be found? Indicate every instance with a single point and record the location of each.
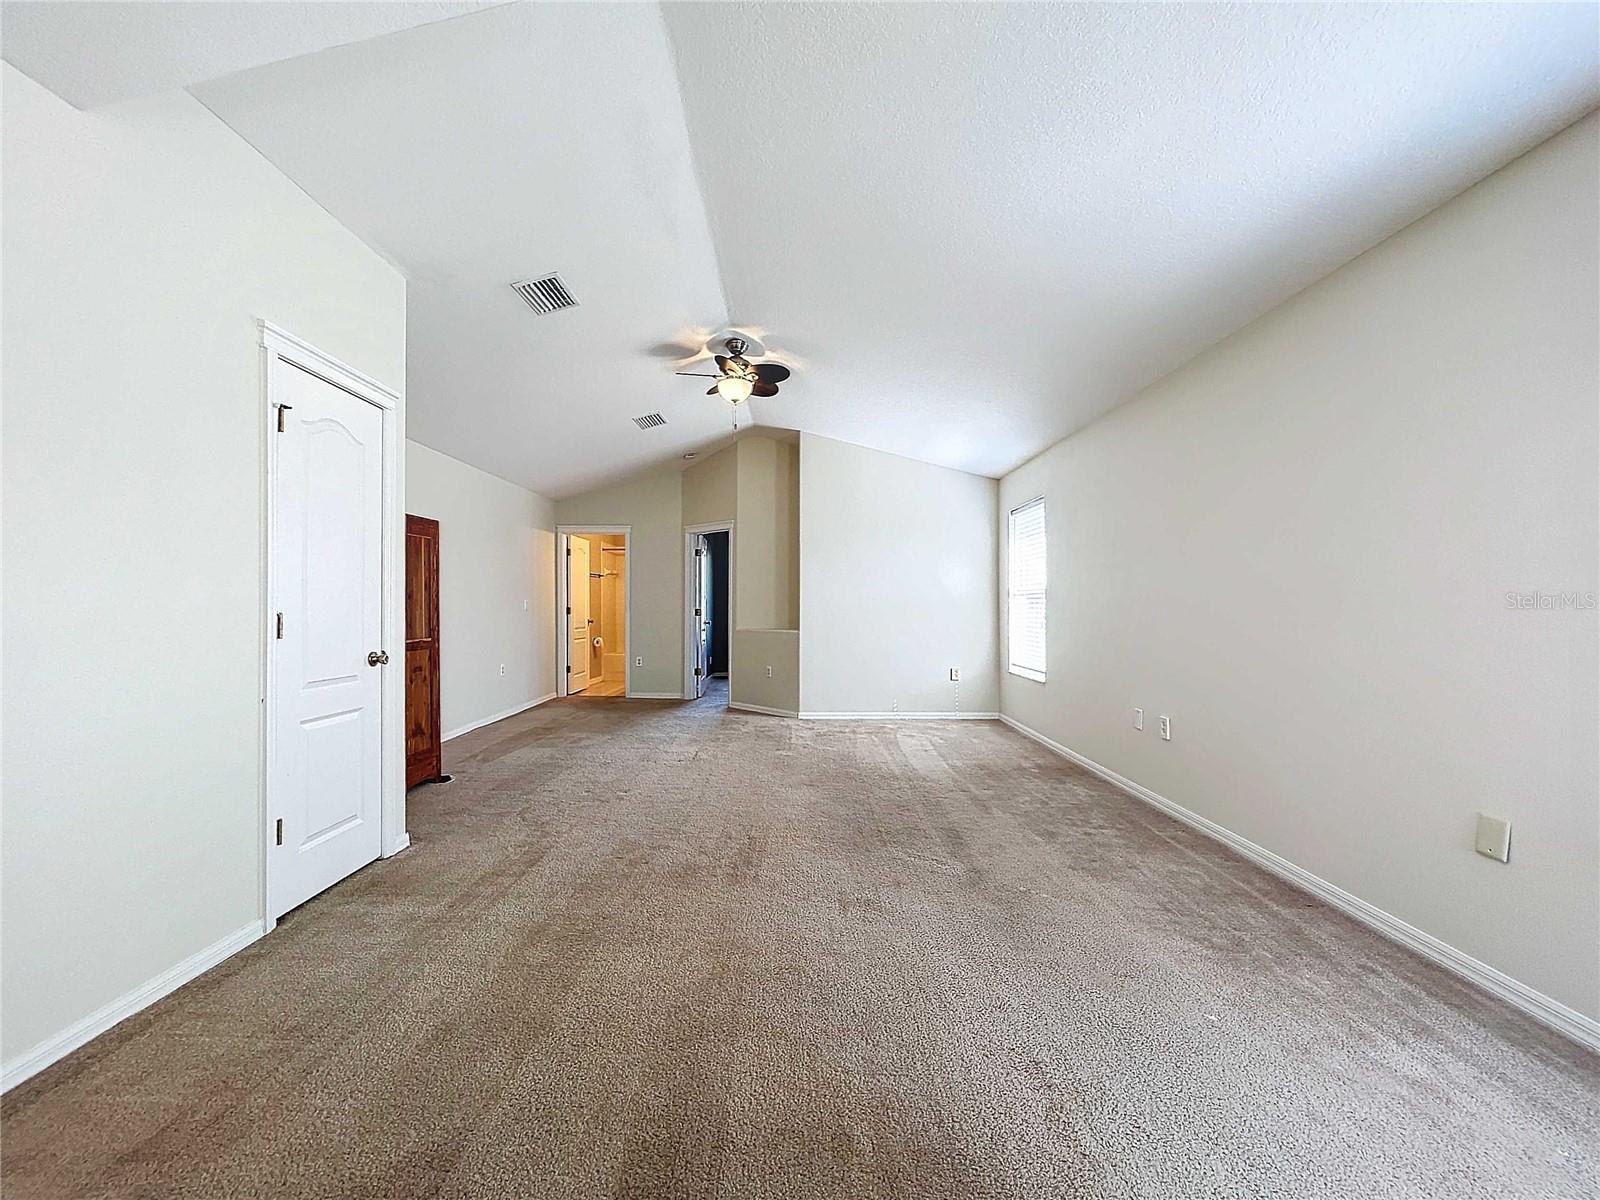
(738, 378)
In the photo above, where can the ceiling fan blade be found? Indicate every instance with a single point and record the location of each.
(722, 363)
(711, 391)
(770, 372)
(762, 388)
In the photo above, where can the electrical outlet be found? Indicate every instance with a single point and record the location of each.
(502, 668)
(955, 674)
(895, 706)
(1165, 725)
(1494, 838)
(524, 606)
(769, 672)
(1138, 718)
(639, 661)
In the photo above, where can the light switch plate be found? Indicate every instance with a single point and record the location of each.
(1138, 718)
(1494, 838)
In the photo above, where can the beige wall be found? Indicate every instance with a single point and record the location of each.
(652, 503)
(497, 597)
(897, 586)
(141, 244)
(1300, 547)
(767, 560)
(711, 488)
(754, 651)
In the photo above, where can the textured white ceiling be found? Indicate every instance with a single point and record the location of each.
(94, 52)
(980, 226)
(987, 224)
(526, 139)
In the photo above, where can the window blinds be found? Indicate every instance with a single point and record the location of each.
(1026, 590)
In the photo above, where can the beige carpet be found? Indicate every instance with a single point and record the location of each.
(653, 950)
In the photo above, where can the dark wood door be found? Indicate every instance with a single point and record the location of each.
(424, 760)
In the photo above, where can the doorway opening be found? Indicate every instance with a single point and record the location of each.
(595, 602)
(708, 611)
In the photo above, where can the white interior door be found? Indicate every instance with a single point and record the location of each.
(702, 614)
(327, 698)
(578, 605)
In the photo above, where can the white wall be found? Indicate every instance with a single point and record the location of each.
(141, 243)
(897, 583)
(652, 503)
(1300, 546)
(497, 587)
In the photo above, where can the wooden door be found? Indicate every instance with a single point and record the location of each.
(326, 646)
(424, 755)
(578, 606)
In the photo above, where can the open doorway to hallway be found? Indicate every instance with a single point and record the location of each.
(595, 601)
(708, 611)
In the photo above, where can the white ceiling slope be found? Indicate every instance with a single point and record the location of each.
(981, 226)
(501, 146)
(987, 225)
(93, 53)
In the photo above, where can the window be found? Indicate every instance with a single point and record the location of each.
(1025, 587)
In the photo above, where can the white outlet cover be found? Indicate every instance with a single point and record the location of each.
(769, 672)
(1494, 838)
(639, 662)
(1165, 725)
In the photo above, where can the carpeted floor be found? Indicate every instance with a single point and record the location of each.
(646, 949)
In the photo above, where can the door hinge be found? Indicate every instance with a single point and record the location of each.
(569, 668)
(569, 551)
(282, 408)
(280, 831)
(698, 553)
(697, 670)
(569, 610)
(698, 613)
(280, 627)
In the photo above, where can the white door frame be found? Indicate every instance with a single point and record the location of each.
(281, 351)
(689, 534)
(564, 627)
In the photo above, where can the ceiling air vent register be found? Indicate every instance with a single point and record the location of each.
(649, 420)
(547, 294)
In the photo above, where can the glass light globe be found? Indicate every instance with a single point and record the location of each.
(733, 388)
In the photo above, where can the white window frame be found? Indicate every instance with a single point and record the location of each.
(1023, 670)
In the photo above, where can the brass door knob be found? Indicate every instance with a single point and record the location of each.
(378, 658)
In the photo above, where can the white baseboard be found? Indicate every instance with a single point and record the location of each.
(499, 716)
(899, 716)
(1581, 1029)
(31, 1062)
(761, 708)
(400, 843)
(654, 696)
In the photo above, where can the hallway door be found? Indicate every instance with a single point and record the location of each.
(578, 613)
(702, 614)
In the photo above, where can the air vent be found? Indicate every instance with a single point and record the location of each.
(546, 294)
(649, 420)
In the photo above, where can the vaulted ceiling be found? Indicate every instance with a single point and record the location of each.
(976, 227)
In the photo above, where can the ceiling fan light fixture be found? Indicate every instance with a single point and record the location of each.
(734, 388)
